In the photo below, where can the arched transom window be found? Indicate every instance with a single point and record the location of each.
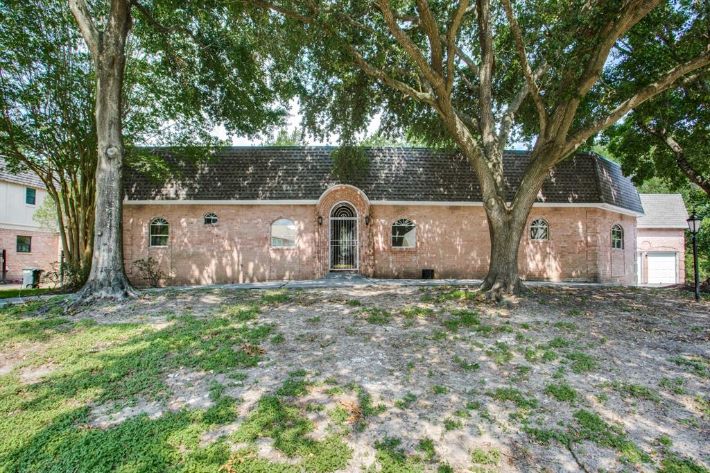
(404, 234)
(283, 233)
(539, 229)
(211, 218)
(343, 211)
(159, 232)
(617, 237)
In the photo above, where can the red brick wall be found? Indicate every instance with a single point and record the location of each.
(662, 239)
(235, 250)
(617, 266)
(452, 240)
(45, 251)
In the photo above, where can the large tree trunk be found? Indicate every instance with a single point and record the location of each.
(502, 277)
(107, 278)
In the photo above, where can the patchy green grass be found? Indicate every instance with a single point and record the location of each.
(295, 385)
(462, 319)
(636, 391)
(695, 364)
(415, 311)
(392, 458)
(465, 364)
(674, 385)
(273, 418)
(515, 396)
(482, 456)
(376, 316)
(595, 429)
(500, 353)
(12, 293)
(44, 424)
(676, 464)
(562, 392)
(581, 362)
(406, 401)
(280, 296)
(260, 419)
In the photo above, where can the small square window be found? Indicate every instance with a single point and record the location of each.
(24, 244)
(30, 196)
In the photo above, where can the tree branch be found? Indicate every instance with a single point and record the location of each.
(86, 25)
(646, 93)
(485, 36)
(679, 155)
(431, 28)
(409, 46)
(525, 65)
(451, 35)
(372, 71)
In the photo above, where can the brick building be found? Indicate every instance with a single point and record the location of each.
(26, 243)
(272, 213)
(661, 239)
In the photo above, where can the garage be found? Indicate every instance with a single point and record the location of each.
(661, 268)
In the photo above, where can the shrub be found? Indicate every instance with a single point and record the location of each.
(149, 270)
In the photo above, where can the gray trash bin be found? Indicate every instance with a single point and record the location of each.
(30, 277)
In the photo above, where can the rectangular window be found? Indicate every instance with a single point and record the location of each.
(30, 196)
(24, 244)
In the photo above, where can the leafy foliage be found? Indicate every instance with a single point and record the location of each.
(350, 164)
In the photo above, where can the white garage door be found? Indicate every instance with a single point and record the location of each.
(661, 268)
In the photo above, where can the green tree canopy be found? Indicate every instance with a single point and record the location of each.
(668, 136)
(478, 76)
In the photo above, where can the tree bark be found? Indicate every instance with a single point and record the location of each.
(107, 278)
(505, 233)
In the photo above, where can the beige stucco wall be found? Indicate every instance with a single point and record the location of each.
(452, 240)
(661, 240)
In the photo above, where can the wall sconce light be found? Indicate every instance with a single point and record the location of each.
(320, 220)
(367, 219)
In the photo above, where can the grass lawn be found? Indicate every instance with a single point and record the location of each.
(10, 293)
(376, 379)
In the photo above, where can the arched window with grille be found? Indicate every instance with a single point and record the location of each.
(617, 237)
(404, 234)
(539, 229)
(283, 233)
(211, 218)
(159, 232)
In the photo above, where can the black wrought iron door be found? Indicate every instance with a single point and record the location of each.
(343, 238)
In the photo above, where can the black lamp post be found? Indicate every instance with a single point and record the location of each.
(694, 227)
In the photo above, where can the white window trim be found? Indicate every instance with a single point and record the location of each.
(271, 235)
(204, 217)
(623, 237)
(392, 234)
(547, 228)
(150, 233)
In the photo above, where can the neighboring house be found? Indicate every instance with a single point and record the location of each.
(275, 213)
(661, 239)
(26, 243)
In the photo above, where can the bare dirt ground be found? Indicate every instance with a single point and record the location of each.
(565, 379)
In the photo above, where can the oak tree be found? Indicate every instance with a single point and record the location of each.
(210, 71)
(476, 75)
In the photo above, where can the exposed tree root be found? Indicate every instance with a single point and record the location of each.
(576, 459)
(116, 289)
(500, 288)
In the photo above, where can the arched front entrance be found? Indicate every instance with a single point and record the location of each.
(343, 238)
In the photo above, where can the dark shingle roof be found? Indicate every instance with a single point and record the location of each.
(25, 178)
(663, 211)
(399, 174)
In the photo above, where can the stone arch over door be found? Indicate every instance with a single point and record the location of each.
(333, 196)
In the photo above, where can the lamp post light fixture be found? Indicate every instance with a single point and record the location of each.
(694, 227)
